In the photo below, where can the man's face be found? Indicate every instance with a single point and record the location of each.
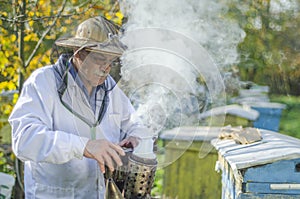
(94, 67)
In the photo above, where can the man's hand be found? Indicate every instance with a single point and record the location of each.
(130, 142)
(105, 152)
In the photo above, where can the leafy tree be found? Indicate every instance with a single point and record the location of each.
(270, 51)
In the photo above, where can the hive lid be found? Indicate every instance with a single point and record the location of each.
(191, 133)
(233, 109)
(272, 148)
(264, 105)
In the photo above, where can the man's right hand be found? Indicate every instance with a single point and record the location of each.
(105, 152)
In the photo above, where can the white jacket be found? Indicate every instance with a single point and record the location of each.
(51, 140)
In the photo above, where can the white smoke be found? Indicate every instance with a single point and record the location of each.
(161, 69)
(173, 69)
(201, 20)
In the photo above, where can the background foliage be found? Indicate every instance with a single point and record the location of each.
(270, 53)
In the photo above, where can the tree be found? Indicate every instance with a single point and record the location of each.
(270, 51)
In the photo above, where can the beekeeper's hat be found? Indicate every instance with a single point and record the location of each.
(95, 34)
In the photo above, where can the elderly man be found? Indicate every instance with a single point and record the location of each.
(71, 119)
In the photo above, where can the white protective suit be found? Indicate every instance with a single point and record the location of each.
(51, 140)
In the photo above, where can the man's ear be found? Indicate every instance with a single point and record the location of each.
(80, 54)
(77, 58)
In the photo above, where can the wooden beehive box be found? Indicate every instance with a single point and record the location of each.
(267, 169)
(190, 174)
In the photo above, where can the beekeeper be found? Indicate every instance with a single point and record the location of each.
(71, 118)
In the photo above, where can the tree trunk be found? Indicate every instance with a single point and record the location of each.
(18, 190)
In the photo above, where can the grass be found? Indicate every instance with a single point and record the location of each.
(290, 118)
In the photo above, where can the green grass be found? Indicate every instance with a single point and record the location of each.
(290, 118)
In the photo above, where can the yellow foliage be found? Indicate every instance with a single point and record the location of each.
(108, 16)
(117, 21)
(31, 13)
(58, 23)
(13, 37)
(26, 31)
(46, 59)
(2, 85)
(10, 71)
(4, 31)
(119, 15)
(7, 86)
(31, 23)
(50, 36)
(11, 86)
(3, 61)
(4, 14)
(4, 73)
(63, 29)
(31, 37)
(7, 108)
(28, 37)
(12, 157)
(15, 98)
(48, 11)
(7, 53)
(68, 21)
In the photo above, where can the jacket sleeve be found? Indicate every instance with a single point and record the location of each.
(32, 135)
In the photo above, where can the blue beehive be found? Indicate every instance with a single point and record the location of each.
(267, 169)
(269, 114)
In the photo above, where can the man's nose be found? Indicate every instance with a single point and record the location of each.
(105, 66)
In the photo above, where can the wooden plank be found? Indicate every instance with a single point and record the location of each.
(266, 196)
(284, 171)
(272, 188)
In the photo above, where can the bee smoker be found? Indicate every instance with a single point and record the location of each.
(140, 177)
(135, 178)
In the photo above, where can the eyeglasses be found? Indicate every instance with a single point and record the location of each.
(101, 59)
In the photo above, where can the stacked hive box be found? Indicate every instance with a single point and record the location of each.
(267, 169)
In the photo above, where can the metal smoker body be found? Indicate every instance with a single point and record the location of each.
(134, 179)
(140, 177)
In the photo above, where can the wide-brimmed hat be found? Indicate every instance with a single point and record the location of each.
(95, 34)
